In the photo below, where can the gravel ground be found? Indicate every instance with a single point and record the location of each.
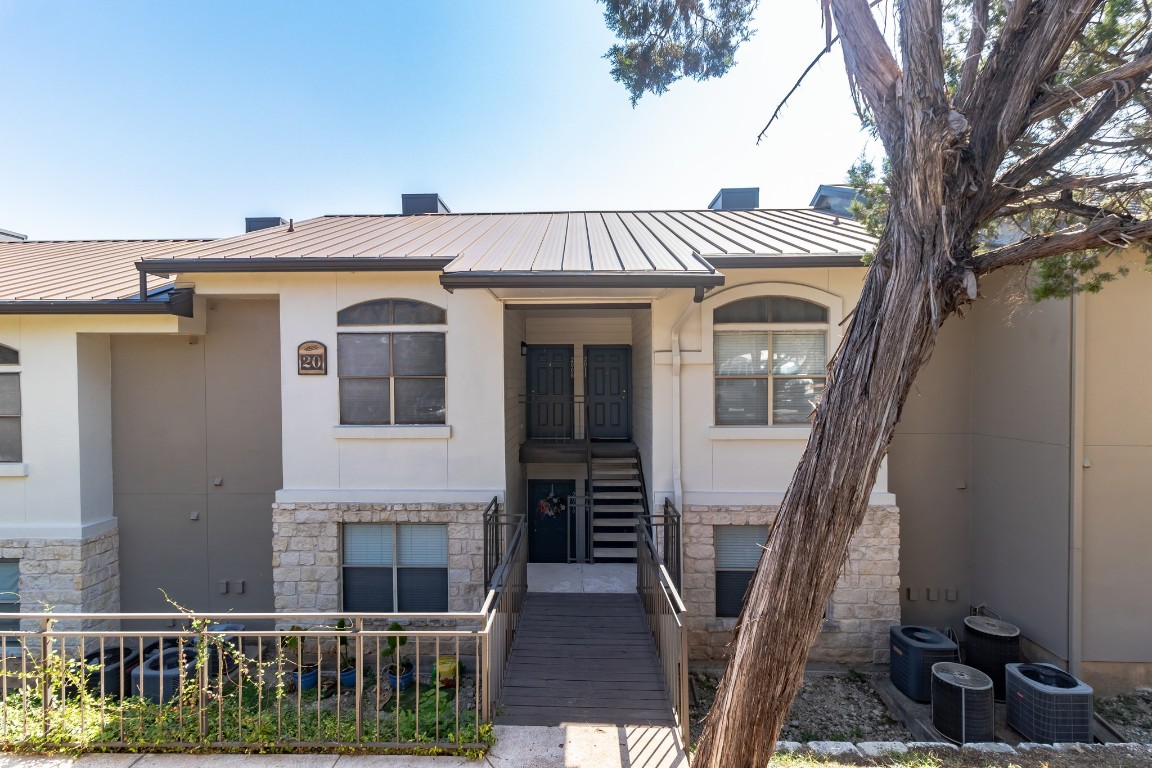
(1130, 712)
(830, 707)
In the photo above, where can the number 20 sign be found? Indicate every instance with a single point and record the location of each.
(312, 359)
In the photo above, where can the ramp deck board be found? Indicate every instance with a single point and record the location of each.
(583, 658)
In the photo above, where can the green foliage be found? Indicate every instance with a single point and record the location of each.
(666, 40)
(54, 705)
(870, 207)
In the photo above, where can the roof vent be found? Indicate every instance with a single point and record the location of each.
(428, 202)
(262, 222)
(7, 236)
(736, 199)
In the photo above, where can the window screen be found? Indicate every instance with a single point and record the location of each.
(391, 312)
(738, 549)
(9, 356)
(391, 378)
(764, 378)
(9, 594)
(10, 445)
(395, 567)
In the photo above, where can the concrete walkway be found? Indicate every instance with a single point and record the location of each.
(572, 746)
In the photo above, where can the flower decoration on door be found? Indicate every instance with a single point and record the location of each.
(551, 505)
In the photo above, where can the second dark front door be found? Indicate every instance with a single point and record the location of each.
(608, 390)
(549, 392)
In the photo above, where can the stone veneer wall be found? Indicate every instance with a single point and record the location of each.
(68, 575)
(866, 602)
(306, 550)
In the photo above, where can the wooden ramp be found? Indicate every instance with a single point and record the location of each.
(583, 658)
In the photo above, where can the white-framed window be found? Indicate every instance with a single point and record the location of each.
(9, 594)
(770, 360)
(10, 442)
(392, 371)
(738, 549)
(395, 567)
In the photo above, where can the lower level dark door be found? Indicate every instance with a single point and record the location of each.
(549, 529)
(608, 390)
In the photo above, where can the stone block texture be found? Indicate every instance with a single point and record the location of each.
(306, 549)
(68, 576)
(865, 604)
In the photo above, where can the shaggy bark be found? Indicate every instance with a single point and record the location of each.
(943, 188)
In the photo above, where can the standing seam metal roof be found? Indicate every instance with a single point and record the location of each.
(78, 270)
(590, 242)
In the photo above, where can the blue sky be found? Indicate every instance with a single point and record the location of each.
(178, 118)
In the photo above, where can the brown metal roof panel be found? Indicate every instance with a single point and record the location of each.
(700, 238)
(577, 249)
(666, 251)
(732, 240)
(550, 256)
(519, 255)
(765, 235)
(449, 240)
(633, 257)
(847, 233)
(600, 247)
(486, 248)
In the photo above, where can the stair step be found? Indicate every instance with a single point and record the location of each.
(598, 537)
(606, 473)
(622, 495)
(614, 483)
(630, 509)
(603, 553)
(617, 461)
(619, 525)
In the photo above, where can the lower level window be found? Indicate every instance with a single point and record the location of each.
(9, 594)
(395, 567)
(738, 549)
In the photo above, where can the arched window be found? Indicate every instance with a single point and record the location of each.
(10, 445)
(769, 355)
(391, 375)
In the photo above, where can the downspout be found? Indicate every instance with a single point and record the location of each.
(1077, 464)
(677, 481)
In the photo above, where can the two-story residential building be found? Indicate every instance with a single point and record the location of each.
(314, 416)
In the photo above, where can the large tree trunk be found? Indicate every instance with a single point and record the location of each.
(892, 334)
(909, 289)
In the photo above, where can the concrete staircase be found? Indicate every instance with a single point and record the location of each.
(617, 500)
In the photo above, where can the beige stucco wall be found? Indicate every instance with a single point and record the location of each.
(733, 465)
(1116, 613)
(1037, 410)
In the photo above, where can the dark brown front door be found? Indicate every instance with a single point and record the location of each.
(608, 389)
(550, 392)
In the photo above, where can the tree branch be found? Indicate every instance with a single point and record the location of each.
(1083, 129)
(1065, 96)
(976, 36)
(1027, 52)
(1109, 231)
(871, 66)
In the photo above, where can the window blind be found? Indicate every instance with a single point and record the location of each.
(367, 544)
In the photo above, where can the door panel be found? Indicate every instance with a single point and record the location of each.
(608, 389)
(162, 548)
(550, 392)
(240, 543)
(549, 531)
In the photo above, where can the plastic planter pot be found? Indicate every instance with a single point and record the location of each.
(405, 678)
(307, 678)
(348, 677)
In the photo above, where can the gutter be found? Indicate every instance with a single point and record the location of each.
(1078, 464)
(677, 479)
(179, 303)
(342, 264)
(700, 282)
(850, 259)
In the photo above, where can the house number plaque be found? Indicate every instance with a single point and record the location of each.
(312, 359)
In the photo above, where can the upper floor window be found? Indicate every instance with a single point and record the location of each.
(391, 376)
(770, 356)
(10, 446)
